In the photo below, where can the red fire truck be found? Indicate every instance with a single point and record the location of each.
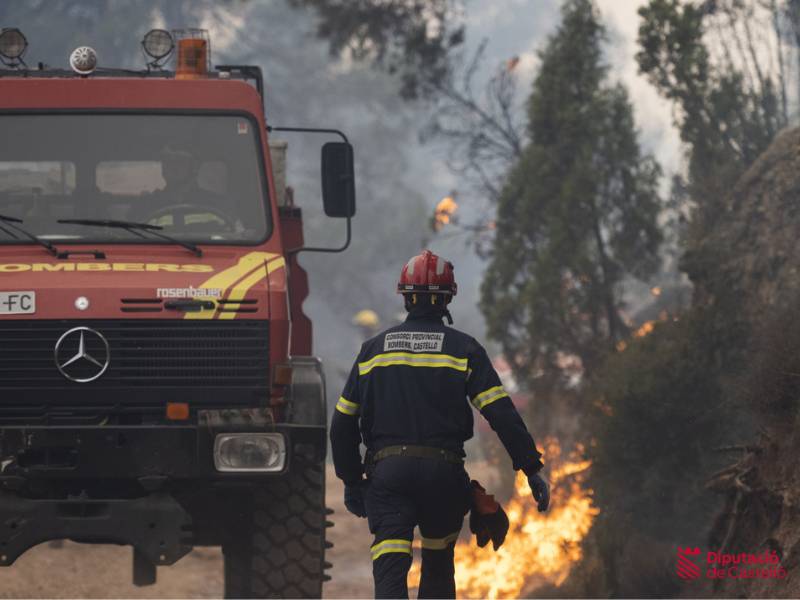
(157, 385)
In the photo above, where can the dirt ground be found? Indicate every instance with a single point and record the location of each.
(92, 571)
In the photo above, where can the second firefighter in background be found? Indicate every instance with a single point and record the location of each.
(409, 398)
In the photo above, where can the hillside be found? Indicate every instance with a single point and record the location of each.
(755, 246)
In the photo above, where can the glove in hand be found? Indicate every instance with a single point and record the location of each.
(541, 490)
(487, 519)
(354, 498)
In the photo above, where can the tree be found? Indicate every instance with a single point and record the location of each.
(410, 38)
(724, 65)
(576, 217)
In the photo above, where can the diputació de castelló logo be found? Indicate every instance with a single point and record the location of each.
(691, 564)
(687, 568)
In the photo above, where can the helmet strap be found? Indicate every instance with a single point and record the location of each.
(448, 316)
(429, 304)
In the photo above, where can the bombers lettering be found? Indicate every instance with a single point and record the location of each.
(103, 267)
(413, 341)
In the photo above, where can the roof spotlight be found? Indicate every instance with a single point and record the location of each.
(12, 46)
(158, 45)
(83, 60)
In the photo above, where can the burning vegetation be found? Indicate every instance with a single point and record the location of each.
(540, 548)
(445, 212)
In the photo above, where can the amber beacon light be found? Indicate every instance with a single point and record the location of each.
(194, 53)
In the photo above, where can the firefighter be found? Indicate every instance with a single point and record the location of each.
(180, 170)
(406, 399)
(182, 194)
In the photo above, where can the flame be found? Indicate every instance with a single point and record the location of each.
(644, 330)
(444, 212)
(655, 291)
(540, 548)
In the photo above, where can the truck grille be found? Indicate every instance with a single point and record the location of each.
(206, 363)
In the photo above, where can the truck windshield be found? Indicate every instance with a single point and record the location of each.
(199, 177)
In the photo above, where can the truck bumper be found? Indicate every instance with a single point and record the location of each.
(148, 453)
(150, 463)
(155, 525)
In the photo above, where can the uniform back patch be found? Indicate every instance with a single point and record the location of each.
(413, 341)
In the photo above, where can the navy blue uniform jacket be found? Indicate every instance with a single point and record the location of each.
(416, 384)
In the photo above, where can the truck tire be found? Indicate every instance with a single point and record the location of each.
(281, 550)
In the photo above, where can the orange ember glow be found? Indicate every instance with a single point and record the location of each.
(540, 548)
(644, 330)
(444, 212)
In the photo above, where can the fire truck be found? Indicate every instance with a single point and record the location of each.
(157, 382)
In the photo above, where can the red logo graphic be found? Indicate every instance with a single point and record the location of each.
(687, 568)
(728, 565)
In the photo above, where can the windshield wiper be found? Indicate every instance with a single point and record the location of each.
(135, 228)
(12, 223)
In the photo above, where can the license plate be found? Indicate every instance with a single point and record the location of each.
(17, 303)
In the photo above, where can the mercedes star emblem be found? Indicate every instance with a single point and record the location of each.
(82, 354)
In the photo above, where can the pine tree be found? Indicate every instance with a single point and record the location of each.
(577, 216)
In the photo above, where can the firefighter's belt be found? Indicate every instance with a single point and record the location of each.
(418, 452)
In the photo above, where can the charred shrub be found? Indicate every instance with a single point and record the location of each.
(661, 407)
(660, 412)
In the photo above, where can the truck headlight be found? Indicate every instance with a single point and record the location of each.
(249, 452)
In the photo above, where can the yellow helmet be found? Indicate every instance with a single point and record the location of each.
(366, 318)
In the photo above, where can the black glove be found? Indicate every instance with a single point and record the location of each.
(354, 498)
(540, 489)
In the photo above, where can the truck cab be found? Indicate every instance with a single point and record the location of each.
(157, 386)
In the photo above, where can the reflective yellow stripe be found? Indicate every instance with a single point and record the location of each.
(387, 546)
(346, 407)
(244, 286)
(439, 543)
(225, 279)
(486, 397)
(412, 359)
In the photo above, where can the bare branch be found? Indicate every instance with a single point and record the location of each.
(481, 130)
(776, 24)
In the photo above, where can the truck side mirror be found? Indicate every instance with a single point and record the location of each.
(338, 180)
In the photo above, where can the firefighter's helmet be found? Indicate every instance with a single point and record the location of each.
(427, 273)
(367, 318)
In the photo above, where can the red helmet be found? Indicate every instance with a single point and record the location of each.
(429, 273)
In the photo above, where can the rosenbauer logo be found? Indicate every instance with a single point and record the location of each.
(724, 565)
